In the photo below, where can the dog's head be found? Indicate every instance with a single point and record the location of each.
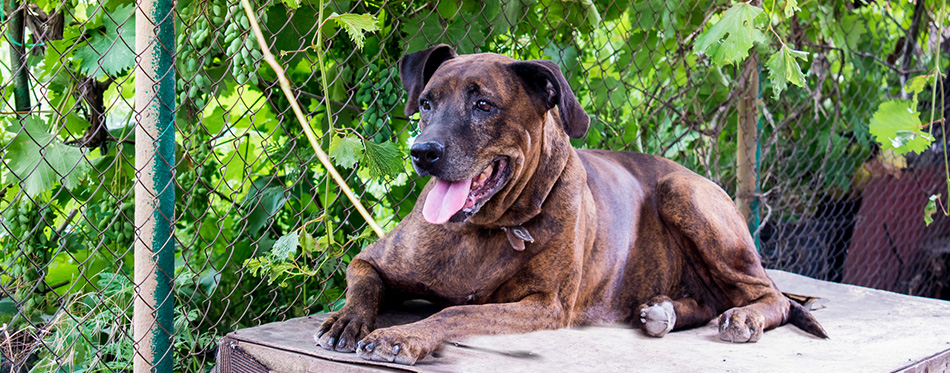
(481, 116)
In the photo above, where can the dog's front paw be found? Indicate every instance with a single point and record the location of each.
(342, 330)
(397, 345)
(740, 325)
(657, 317)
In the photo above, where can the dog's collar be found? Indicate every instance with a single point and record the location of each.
(517, 235)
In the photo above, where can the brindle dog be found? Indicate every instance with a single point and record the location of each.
(521, 232)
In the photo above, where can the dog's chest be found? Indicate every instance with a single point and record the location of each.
(457, 271)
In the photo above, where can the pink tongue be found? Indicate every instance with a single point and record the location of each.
(445, 199)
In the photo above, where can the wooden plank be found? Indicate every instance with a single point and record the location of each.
(871, 331)
(939, 362)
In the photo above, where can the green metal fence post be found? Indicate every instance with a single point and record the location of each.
(15, 31)
(154, 191)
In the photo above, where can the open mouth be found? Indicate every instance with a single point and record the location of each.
(457, 200)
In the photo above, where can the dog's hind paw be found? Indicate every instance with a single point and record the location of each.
(740, 325)
(657, 317)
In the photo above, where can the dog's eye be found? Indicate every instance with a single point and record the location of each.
(424, 104)
(484, 105)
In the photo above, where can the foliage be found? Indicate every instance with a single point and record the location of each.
(41, 161)
(355, 25)
(256, 216)
(896, 125)
(115, 38)
(784, 69)
(729, 40)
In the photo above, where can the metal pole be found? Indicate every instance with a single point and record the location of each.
(21, 82)
(154, 191)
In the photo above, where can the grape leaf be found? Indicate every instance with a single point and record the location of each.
(111, 50)
(917, 83)
(897, 126)
(729, 40)
(285, 247)
(356, 25)
(791, 6)
(292, 4)
(40, 160)
(383, 160)
(784, 69)
(346, 151)
(307, 242)
(931, 209)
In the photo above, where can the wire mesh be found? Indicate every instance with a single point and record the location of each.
(263, 235)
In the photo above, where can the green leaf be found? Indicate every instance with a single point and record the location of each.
(916, 85)
(356, 25)
(8, 306)
(40, 160)
(112, 50)
(729, 40)
(307, 242)
(931, 209)
(784, 69)
(592, 15)
(292, 4)
(791, 6)
(262, 202)
(346, 151)
(848, 31)
(383, 160)
(897, 126)
(253, 265)
(285, 247)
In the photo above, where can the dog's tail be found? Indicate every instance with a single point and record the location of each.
(799, 316)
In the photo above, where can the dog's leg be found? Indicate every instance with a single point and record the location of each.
(662, 314)
(720, 241)
(407, 344)
(357, 318)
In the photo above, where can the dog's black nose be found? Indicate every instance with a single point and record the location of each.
(426, 154)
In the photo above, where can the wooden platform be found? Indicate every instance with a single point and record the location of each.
(871, 331)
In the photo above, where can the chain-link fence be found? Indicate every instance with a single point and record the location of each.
(262, 233)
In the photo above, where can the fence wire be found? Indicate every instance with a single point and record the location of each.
(262, 234)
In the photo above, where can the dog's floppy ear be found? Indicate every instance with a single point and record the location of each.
(415, 69)
(544, 78)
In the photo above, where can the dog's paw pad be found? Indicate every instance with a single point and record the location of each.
(658, 319)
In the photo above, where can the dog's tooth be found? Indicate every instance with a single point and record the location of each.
(480, 179)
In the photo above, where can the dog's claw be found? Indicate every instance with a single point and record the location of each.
(331, 342)
(370, 347)
(359, 345)
(396, 350)
(341, 343)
